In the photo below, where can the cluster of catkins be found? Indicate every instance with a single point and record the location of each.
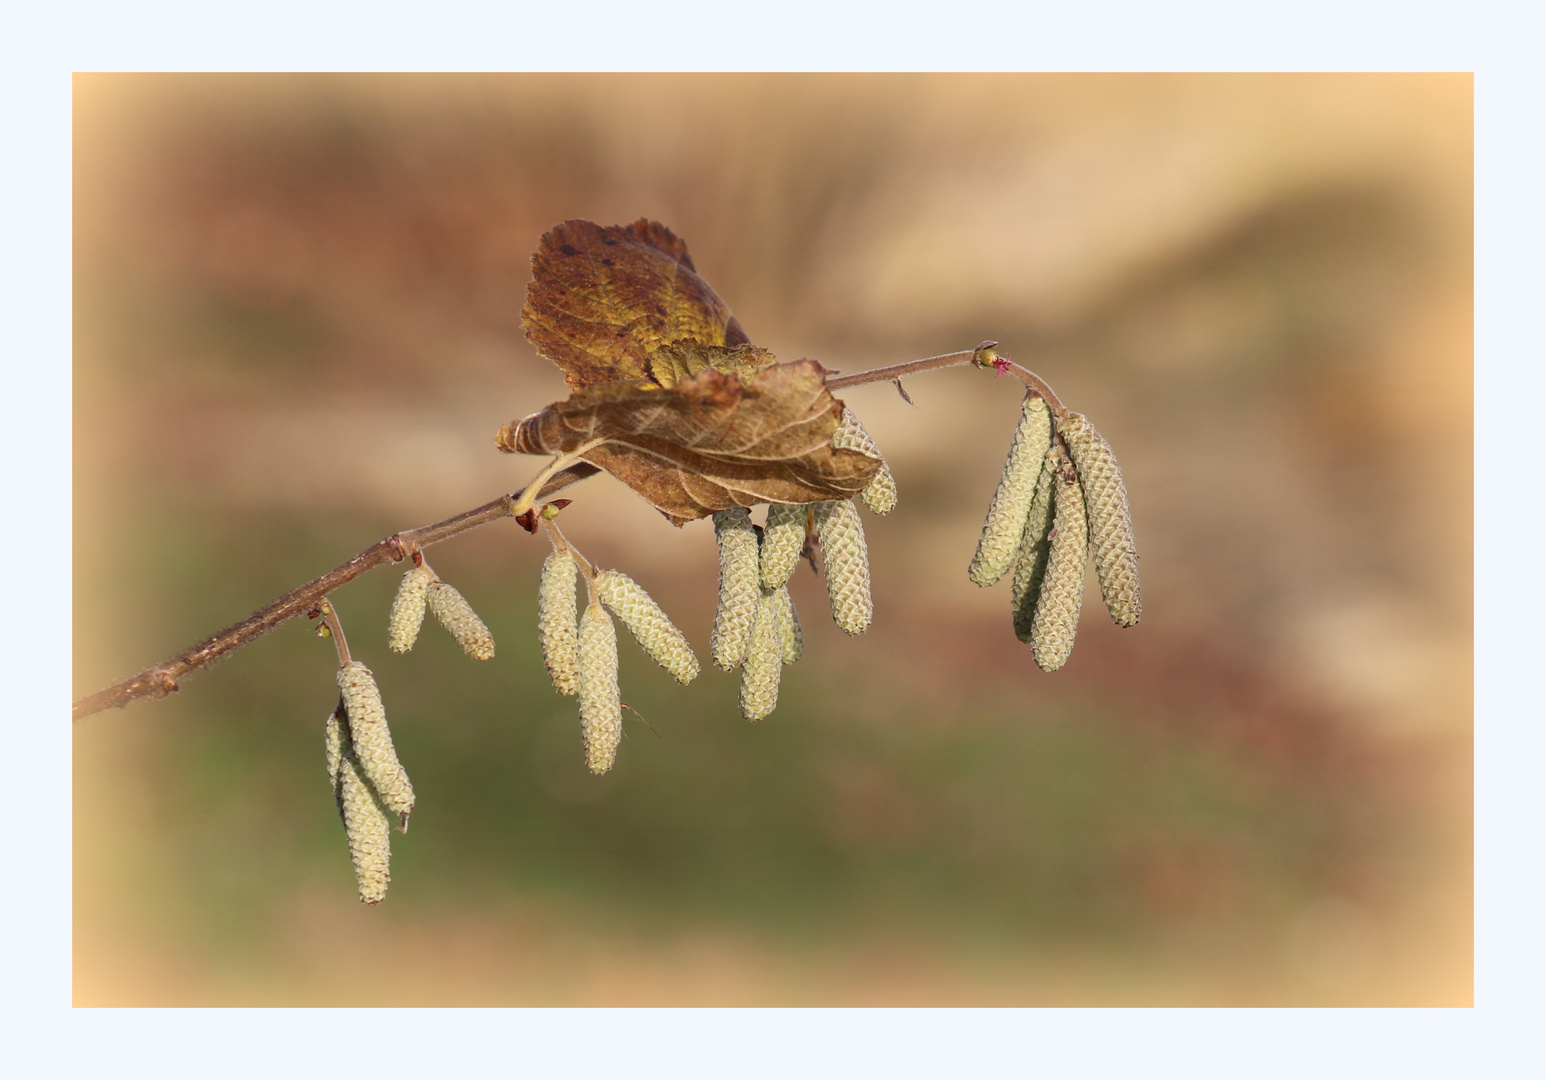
(369, 784)
(1060, 501)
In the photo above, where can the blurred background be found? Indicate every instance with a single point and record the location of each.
(297, 327)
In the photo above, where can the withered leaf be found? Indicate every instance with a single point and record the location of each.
(604, 301)
(711, 441)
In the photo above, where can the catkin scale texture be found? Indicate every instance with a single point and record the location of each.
(846, 561)
(408, 609)
(783, 538)
(601, 706)
(791, 637)
(739, 586)
(369, 830)
(1062, 587)
(1005, 523)
(764, 659)
(1110, 519)
(457, 616)
(1031, 560)
(371, 740)
(558, 621)
(649, 625)
(880, 493)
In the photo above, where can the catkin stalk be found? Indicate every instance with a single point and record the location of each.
(649, 625)
(408, 609)
(1031, 561)
(880, 493)
(764, 659)
(1110, 520)
(558, 621)
(457, 616)
(1062, 587)
(846, 562)
(739, 589)
(1005, 523)
(371, 740)
(783, 538)
(601, 706)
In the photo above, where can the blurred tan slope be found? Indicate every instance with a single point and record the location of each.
(297, 326)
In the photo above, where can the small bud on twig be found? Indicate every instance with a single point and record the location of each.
(846, 561)
(1111, 522)
(1006, 515)
(558, 615)
(601, 706)
(739, 591)
(1062, 587)
(649, 625)
(408, 609)
(783, 538)
(457, 616)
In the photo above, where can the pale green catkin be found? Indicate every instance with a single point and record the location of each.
(1111, 522)
(764, 659)
(846, 562)
(371, 740)
(739, 576)
(791, 636)
(783, 538)
(880, 493)
(457, 616)
(1031, 561)
(1012, 501)
(601, 706)
(408, 609)
(649, 625)
(367, 824)
(1062, 587)
(558, 621)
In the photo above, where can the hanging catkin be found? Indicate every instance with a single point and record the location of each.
(783, 538)
(791, 636)
(846, 562)
(366, 822)
(601, 707)
(649, 625)
(371, 740)
(558, 621)
(1031, 561)
(739, 590)
(880, 493)
(1062, 587)
(457, 616)
(764, 659)
(408, 609)
(1005, 523)
(1110, 520)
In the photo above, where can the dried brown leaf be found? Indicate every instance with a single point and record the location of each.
(709, 442)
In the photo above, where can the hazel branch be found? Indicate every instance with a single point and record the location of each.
(983, 355)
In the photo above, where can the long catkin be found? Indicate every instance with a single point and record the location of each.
(792, 638)
(739, 588)
(408, 609)
(371, 740)
(558, 621)
(764, 659)
(1005, 522)
(1031, 560)
(649, 625)
(601, 706)
(880, 493)
(1110, 519)
(367, 825)
(846, 562)
(457, 616)
(1062, 587)
(783, 538)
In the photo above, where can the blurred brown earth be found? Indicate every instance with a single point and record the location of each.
(298, 327)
